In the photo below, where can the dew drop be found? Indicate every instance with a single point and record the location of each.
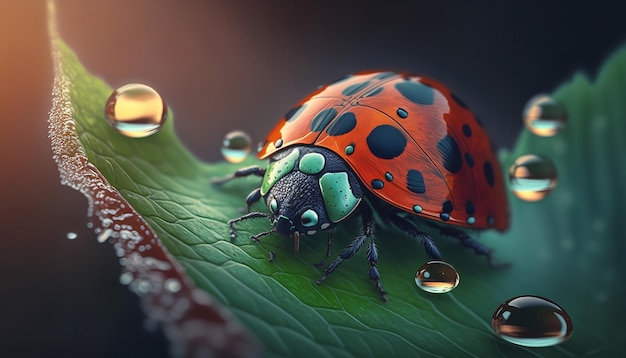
(120, 252)
(544, 116)
(437, 277)
(532, 321)
(236, 146)
(144, 286)
(126, 278)
(71, 235)
(104, 236)
(136, 110)
(172, 285)
(532, 177)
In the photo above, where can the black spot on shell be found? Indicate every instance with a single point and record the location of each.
(469, 208)
(377, 184)
(342, 125)
(322, 119)
(416, 92)
(488, 169)
(386, 142)
(467, 130)
(402, 113)
(415, 181)
(469, 159)
(450, 153)
(444, 216)
(354, 88)
(447, 207)
(294, 112)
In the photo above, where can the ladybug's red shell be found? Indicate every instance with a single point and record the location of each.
(411, 142)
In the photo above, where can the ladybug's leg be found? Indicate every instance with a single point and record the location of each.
(243, 172)
(329, 242)
(329, 248)
(252, 215)
(467, 241)
(406, 226)
(372, 257)
(372, 250)
(353, 248)
(253, 197)
(347, 253)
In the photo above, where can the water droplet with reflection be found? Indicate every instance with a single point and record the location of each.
(136, 110)
(437, 277)
(236, 146)
(532, 321)
(532, 177)
(544, 116)
(71, 235)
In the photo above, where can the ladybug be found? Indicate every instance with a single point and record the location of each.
(398, 144)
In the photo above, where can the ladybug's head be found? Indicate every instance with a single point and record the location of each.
(308, 189)
(297, 206)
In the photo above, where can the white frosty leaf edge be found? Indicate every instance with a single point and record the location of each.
(193, 321)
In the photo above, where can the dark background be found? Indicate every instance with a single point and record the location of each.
(224, 65)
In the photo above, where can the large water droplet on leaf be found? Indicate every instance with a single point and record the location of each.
(532, 321)
(544, 116)
(236, 146)
(532, 177)
(437, 277)
(136, 110)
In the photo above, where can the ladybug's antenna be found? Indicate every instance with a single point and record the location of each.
(256, 237)
(252, 215)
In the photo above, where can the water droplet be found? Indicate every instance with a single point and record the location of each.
(144, 286)
(532, 321)
(126, 278)
(236, 146)
(544, 116)
(437, 277)
(71, 235)
(136, 110)
(532, 177)
(172, 285)
(104, 236)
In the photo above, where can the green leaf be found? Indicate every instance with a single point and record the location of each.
(567, 247)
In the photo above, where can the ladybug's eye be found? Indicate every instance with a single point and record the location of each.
(309, 218)
(273, 206)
